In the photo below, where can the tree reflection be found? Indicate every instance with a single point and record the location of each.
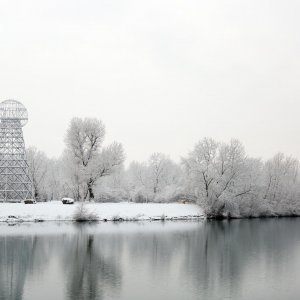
(88, 273)
(205, 260)
(19, 256)
(220, 252)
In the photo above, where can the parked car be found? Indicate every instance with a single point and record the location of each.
(29, 201)
(67, 201)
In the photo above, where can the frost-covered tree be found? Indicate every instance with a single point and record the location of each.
(88, 160)
(73, 184)
(137, 183)
(106, 162)
(84, 139)
(154, 179)
(162, 171)
(114, 188)
(227, 183)
(215, 173)
(38, 166)
(281, 183)
(54, 181)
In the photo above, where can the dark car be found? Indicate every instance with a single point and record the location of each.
(67, 201)
(29, 201)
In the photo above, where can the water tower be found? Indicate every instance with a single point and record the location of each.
(15, 182)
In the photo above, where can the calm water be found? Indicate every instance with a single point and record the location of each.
(243, 259)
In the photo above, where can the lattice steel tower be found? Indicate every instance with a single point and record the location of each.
(15, 182)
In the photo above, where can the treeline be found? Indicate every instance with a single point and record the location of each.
(218, 176)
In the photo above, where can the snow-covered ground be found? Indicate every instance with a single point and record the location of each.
(56, 211)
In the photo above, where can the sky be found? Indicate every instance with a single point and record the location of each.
(161, 74)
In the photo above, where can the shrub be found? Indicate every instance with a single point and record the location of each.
(82, 214)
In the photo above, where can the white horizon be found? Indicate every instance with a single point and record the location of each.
(159, 79)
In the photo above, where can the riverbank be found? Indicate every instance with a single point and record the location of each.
(56, 211)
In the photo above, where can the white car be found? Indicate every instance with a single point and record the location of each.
(67, 201)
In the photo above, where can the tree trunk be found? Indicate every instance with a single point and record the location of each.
(35, 190)
(90, 190)
(36, 194)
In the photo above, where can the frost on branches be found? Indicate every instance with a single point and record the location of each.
(220, 177)
(227, 183)
(86, 159)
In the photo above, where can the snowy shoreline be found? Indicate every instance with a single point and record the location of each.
(123, 211)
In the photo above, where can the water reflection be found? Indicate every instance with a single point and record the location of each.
(242, 259)
(88, 272)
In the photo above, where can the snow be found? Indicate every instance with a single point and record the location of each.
(56, 211)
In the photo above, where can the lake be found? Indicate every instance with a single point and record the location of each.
(240, 259)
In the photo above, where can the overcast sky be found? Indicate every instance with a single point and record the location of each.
(160, 74)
